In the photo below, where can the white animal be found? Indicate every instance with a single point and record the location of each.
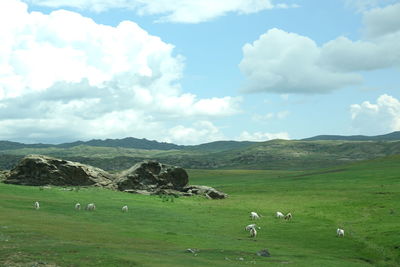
(91, 207)
(253, 232)
(253, 225)
(125, 208)
(279, 214)
(288, 216)
(254, 215)
(340, 232)
(78, 206)
(37, 205)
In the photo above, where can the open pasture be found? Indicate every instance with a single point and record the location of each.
(362, 198)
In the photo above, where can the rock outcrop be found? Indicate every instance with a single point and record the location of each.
(204, 190)
(152, 175)
(4, 175)
(43, 170)
(147, 177)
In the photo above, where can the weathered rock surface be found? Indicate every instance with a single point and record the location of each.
(264, 253)
(152, 175)
(205, 190)
(4, 175)
(43, 170)
(147, 177)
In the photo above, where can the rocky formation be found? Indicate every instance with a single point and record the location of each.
(3, 175)
(151, 176)
(43, 170)
(147, 177)
(204, 190)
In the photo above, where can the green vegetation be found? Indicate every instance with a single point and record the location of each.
(362, 198)
(385, 137)
(275, 154)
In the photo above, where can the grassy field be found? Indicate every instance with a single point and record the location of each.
(361, 198)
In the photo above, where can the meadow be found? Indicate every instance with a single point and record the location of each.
(362, 198)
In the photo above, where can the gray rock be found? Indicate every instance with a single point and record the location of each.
(147, 177)
(151, 176)
(4, 175)
(42, 170)
(206, 191)
(137, 191)
(264, 253)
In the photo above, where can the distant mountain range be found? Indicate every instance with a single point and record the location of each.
(385, 137)
(118, 154)
(131, 142)
(136, 143)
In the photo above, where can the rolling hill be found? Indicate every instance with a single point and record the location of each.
(385, 137)
(118, 154)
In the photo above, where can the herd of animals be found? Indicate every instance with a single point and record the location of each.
(89, 207)
(252, 228)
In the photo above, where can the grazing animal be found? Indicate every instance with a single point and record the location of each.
(37, 205)
(253, 225)
(253, 232)
(91, 207)
(125, 208)
(254, 215)
(288, 216)
(340, 232)
(78, 206)
(279, 214)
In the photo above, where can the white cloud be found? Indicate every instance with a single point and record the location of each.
(65, 77)
(285, 62)
(271, 115)
(345, 55)
(186, 11)
(200, 132)
(381, 21)
(260, 136)
(379, 118)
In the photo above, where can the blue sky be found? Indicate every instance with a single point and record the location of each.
(193, 71)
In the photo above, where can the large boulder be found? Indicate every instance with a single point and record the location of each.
(147, 177)
(43, 170)
(151, 176)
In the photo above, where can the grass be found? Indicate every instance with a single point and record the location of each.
(362, 198)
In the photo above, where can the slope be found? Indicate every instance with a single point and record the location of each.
(362, 198)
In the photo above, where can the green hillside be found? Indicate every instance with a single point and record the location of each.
(385, 137)
(275, 154)
(117, 154)
(362, 198)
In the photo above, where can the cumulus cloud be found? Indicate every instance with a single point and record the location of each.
(64, 76)
(185, 11)
(378, 118)
(199, 132)
(261, 136)
(381, 21)
(284, 62)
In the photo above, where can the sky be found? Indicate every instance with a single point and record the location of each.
(197, 71)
